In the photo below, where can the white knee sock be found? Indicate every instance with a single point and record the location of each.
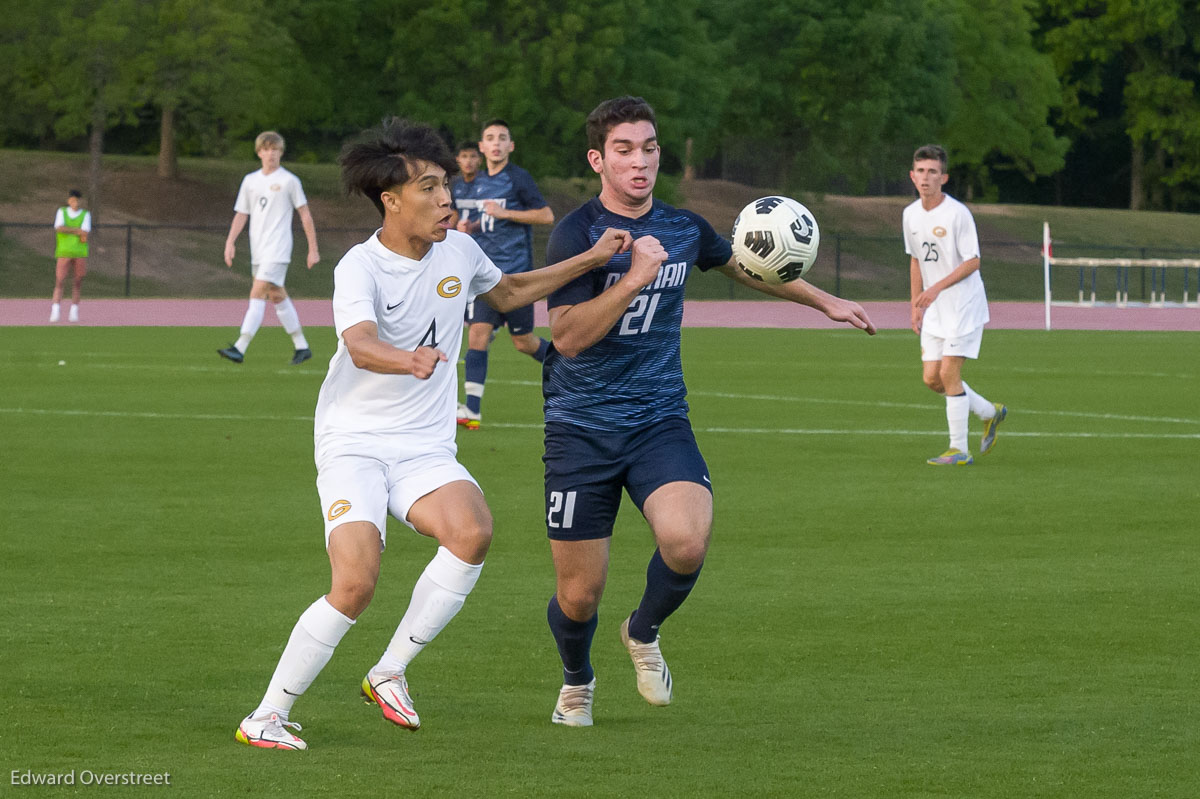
(286, 312)
(958, 414)
(313, 640)
(437, 597)
(979, 406)
(251, 322)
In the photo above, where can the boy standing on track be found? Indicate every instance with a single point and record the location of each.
(949, 306)
(266, 199)
(72, 224)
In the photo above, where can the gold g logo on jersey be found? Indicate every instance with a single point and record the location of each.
(338, 508)
(450, 287)
(939, 231)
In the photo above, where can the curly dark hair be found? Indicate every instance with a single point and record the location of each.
(384, 157)
(611, 113)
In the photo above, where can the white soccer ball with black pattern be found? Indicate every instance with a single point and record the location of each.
(775, 239)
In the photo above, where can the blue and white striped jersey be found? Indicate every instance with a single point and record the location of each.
(633, 376)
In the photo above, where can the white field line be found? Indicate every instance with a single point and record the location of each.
(790, 431)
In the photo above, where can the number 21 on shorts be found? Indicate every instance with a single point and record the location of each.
(564, 504)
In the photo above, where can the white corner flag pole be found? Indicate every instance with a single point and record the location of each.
(1046, 267)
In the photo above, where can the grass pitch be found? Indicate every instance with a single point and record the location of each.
(866, 625)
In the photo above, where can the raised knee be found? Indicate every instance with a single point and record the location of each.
(935, 384)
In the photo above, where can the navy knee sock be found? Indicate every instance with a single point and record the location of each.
(574, 639)
(665, 592)
(474, 376)
(543, 348)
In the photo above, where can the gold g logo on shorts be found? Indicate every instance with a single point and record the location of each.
(450, 287)
(338, 509)
(939, 231)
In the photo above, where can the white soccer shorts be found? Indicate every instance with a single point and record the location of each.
(934, 348)
(359, 488)
(271, 273)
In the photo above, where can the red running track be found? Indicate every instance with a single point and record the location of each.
(707, 313)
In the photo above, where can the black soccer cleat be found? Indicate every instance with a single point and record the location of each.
(301, 356)
(232, 353)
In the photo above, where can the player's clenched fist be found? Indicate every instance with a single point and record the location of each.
(612, 242)
(424, 360)
(648, 256)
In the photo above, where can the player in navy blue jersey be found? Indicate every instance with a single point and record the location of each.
(468, 160)
(503, 202)
(616, 413)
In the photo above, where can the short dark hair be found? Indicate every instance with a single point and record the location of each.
(467, 145)
(495, 121)
(75, 193)
(382, 158)
(931, 152)
(611, 113)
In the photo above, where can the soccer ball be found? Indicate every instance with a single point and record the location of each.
(775, 239)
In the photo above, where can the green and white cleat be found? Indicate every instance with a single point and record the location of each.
(952, 457)
(574, 707)
(653, 676)
(989, 429)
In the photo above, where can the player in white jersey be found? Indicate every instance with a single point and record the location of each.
(266, 199)
(949, 306)
(385, 421)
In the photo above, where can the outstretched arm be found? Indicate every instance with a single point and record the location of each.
(517, 291)
(235, 230)
(804, 293)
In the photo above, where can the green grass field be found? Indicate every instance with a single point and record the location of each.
(866, 625)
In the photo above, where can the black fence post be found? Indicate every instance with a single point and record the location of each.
(128, 257)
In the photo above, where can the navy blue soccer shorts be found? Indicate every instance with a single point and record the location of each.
(519, 320)
(586, 470)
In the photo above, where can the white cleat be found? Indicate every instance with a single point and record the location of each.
(390, 693)
(73, 315)
(574, 708)
(54, 312)
(653, 676)
(269, 733)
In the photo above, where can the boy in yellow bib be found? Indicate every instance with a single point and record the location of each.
(72, 224)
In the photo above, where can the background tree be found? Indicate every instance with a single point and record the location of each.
(1002, 95)
(1149, 48)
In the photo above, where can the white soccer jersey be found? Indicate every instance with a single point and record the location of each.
(413, 303)
(941, 240)
(269, 200)
(60, 219)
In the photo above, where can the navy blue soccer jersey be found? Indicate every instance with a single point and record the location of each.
(633, 376)
(463, 204)
(508, 244)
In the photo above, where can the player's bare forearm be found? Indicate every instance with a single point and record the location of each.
(310, 233)
(960, 273)
(577, 327)
(517, 291)
(804, 293)
(574, 328)
(529, 216)
(368, 352)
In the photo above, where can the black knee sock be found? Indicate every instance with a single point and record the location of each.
(665, 592)
(574, 639)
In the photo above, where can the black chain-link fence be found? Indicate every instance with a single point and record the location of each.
(145, 260)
